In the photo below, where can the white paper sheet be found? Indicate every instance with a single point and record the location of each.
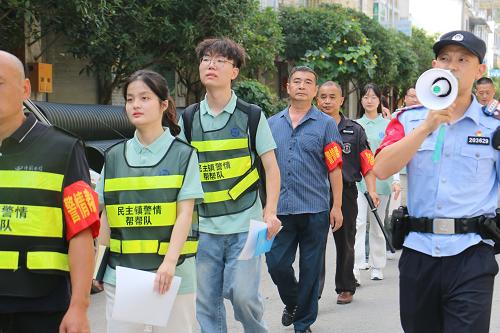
(137, 302)
(249, 248)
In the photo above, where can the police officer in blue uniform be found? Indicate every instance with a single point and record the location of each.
(447, 267)
(357, 162)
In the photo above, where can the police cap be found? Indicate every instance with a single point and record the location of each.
(463, 38)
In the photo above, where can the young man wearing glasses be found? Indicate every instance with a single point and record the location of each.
(219, 128)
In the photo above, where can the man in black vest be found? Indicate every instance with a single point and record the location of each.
(357, 161)
(48, 216)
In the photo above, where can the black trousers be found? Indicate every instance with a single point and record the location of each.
(344, 243)
(447, 294)
(31, 322)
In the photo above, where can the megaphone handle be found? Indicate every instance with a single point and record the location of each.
(438, 148)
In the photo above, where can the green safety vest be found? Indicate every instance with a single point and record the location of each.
(141, 206)
(33, 246)
(227, 171)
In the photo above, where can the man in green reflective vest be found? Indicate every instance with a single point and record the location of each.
(221, 134)
(48, 217)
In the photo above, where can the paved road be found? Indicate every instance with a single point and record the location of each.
(374, 309)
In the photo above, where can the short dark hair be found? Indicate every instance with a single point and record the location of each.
(159, 86)
(222, 46)
(302, 69)
(332, 84)
(484, 80)
(409, 89)
(376, 91)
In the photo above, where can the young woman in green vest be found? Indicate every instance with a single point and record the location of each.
(149, 186)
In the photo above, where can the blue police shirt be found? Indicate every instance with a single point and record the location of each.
(463, 183)
(305, 187)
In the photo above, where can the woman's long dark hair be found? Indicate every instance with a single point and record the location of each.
(159, 87)
(376, 91)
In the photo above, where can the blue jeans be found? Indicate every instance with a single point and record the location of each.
(220, 275)
(309, 233)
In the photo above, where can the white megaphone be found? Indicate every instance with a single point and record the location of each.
(437, 88)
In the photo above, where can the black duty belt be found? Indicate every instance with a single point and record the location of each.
(445, 226)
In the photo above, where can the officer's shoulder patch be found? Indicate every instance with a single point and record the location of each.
(400, 111)
(415, 115)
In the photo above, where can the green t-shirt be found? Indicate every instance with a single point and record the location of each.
(139, 155)
(240, 222)
(375, 132)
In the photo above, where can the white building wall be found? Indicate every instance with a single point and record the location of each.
(437, 16)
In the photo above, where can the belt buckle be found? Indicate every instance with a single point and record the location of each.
(443, 226)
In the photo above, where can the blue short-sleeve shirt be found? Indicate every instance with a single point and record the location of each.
(305, 187)
(463, 183)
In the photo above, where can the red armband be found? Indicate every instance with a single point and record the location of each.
(367, 161)
(393, 133)
(333, 156)
(81, 211)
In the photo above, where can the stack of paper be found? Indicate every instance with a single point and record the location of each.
(135, 300)
(257, 242)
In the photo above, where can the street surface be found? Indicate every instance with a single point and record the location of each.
(374, 309)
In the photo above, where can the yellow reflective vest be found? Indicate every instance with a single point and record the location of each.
(141, 206)
(227, 171)
(33, 247)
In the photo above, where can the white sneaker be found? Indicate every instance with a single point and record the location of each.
(390, 255)
(377, 274)
(364, 266)
(357, 276)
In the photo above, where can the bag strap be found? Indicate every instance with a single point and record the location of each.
(253, 112)
(187, 119)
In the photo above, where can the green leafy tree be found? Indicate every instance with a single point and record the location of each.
(367, 51)
(421, 45)
(193, 21)
(406, 65)
(263, 40)
(117, 37)
(252, 91)
(12, 16)
(383, 47)
(330, 41)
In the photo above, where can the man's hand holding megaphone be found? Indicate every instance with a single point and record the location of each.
(437, 117)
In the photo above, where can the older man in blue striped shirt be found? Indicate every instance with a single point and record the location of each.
(310, 160)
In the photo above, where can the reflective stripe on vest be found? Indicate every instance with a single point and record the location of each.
(143, 183)
(9, 260)
(243, 184)
(43, 260)
(224, 169)
(235, 192)
(142, 215)
(35, 260)
(31, 179)
(220, 145)
(34, 221)
(148, 246)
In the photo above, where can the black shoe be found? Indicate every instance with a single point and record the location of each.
(307, 330)
(288, 316)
